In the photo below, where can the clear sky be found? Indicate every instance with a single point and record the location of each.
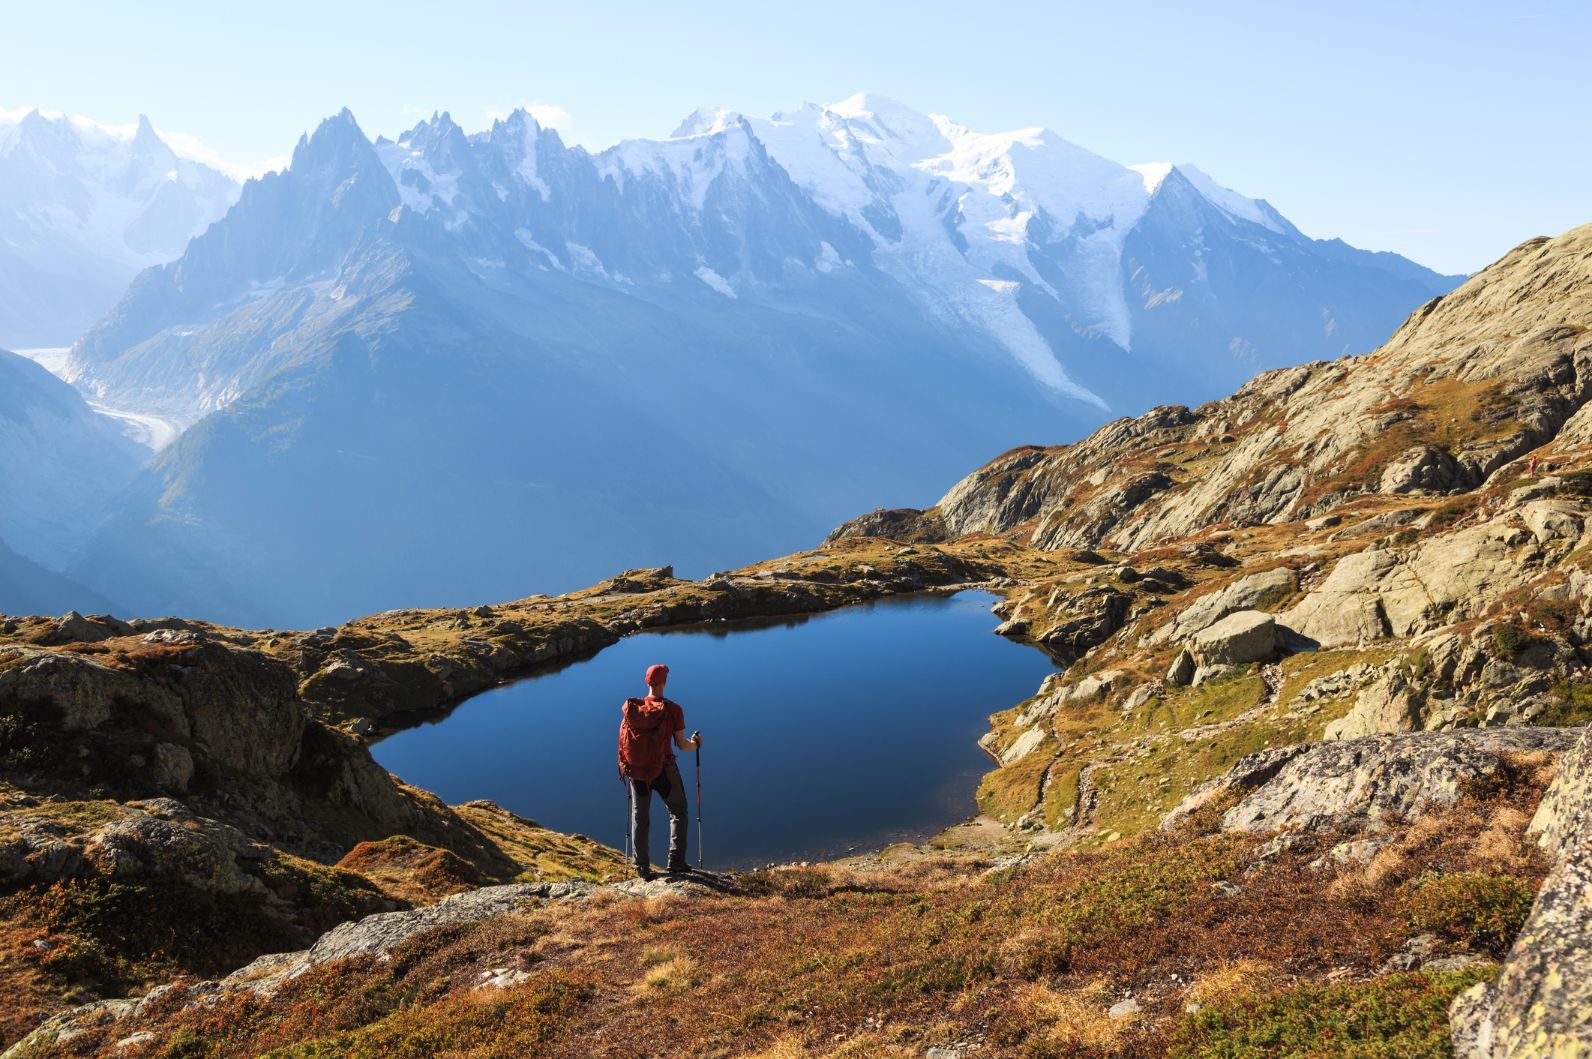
(1445, 131)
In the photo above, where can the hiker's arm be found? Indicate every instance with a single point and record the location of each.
(685, 742)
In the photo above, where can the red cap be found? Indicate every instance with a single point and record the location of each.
(656, 674)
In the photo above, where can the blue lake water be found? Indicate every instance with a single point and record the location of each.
(850, 729)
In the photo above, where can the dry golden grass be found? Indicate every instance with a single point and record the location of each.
(1072, 1019)
(674, 974)
(1231, 980)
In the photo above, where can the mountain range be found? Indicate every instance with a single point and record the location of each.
(446, 366)
(85, 208)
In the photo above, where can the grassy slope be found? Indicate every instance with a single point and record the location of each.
(825, 962)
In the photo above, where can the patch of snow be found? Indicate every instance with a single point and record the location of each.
(1153, 174)
(406, 156)
(688, 166)
(584, 259)
(524, 236)
(714, 280)
(526, 169)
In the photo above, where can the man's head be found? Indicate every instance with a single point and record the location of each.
(657, 677)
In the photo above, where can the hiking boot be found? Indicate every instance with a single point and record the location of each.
(645, 873)
(679, 869)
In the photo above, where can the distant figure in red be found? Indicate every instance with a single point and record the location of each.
(1531, 466)
(650, 729)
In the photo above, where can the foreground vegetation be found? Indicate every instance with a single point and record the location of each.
(1223, 945)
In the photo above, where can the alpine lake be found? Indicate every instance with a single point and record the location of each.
(822, 735)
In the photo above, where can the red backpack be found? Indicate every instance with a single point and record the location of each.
(644, 739)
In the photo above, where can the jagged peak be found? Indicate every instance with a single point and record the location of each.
(330, 138)
(1165, 177)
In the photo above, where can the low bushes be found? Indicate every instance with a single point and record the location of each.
(1483, 911)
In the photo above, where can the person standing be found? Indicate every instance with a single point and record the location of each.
(651, 728)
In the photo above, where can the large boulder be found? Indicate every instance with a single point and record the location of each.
(1241, 637)
(1423, 469)
(1252, 592)
(1342, 783)
(1541, 1002)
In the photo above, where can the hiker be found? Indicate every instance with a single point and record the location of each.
(650, 730)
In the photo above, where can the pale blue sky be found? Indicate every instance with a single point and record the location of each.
(1445, 131)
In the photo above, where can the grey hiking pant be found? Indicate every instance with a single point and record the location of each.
(672, 788)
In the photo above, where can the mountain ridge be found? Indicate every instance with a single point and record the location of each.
(789, 355)
(86, 207)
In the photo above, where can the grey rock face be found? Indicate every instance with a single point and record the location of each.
(1541, 1002)
(1241, 637)
(1422, 469)
(1085, 619)
(1380, 592)
(1359, 780)
(1182, 668)
(904, 524)
(382, 932)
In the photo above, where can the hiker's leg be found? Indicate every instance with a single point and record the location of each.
(679, 816)
(640, 820)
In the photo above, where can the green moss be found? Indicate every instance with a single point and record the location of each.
(115, 934)
(328, 896)
(1510, 640)
(1481, 910)
(1210, 703)
(1571, 707)
(1135, 793)
(1133, 889)
(1400, 1016)
(1061, 796)
(1012, 790)
(1300, 669)
(522, 1020)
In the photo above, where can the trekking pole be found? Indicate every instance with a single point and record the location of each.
(629, 814)
(699, 802)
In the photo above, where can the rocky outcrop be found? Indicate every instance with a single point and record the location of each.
(204, 721)
(899, 524)
(1423, 469)
(1380, 777)
(1436, 582)
(1541, 1002)
(1493, 369)
(1242, 637)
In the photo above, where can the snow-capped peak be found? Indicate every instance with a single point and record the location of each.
(873, 105)
(1154, 174)
(1230, 202)
(705, 121)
